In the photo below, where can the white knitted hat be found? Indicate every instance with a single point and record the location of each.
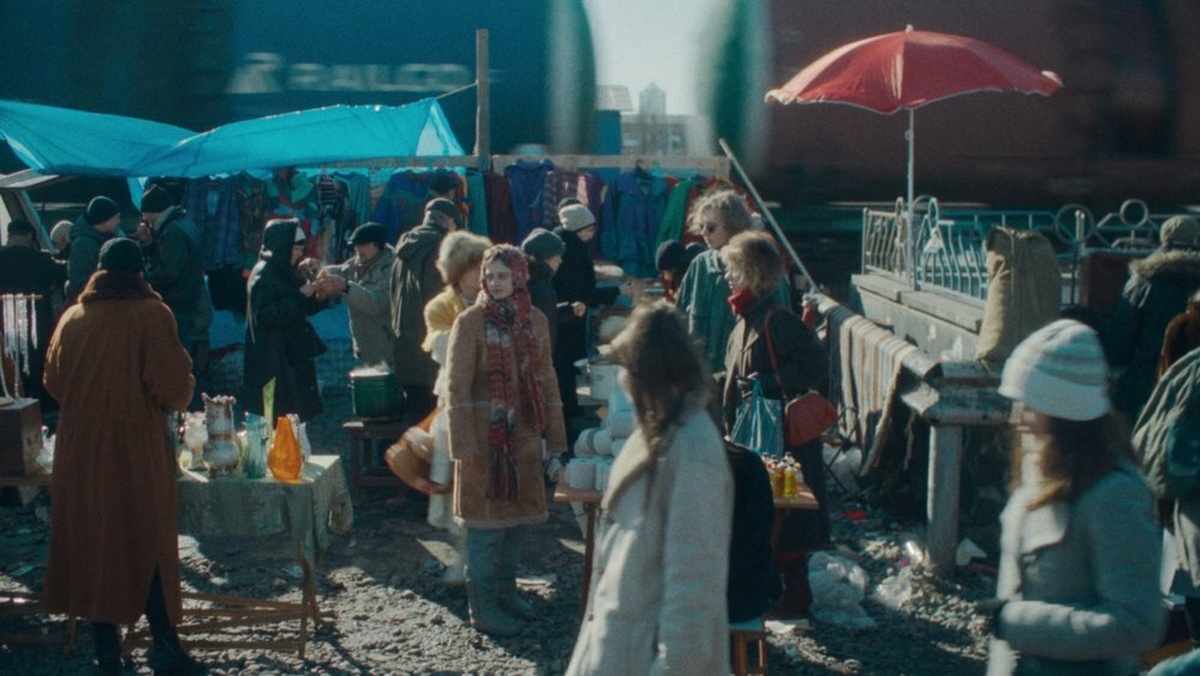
(575, 217)
(1059, 370)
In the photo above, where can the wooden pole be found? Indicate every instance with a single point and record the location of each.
(945, 463)
(483, 112)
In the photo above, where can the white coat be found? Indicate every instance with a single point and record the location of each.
(658, 595)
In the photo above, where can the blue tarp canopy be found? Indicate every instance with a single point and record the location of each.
(62, 141)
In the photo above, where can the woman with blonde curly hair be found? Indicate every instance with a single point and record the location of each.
(771, 348)
(716, 217)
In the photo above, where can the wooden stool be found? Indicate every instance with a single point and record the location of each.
(363, 470)
(746, 634)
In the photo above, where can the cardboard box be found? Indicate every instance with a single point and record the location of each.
(20, 437)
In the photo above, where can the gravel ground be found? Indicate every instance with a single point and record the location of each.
(388, 611)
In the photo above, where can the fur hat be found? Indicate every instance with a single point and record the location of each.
(99, 210)
(122, 255)
(576, 217)
(1183, 230)
(541, 243)
(460, 251)
(444, 206)
(156, 200)
(1060, 371)
(369, 233)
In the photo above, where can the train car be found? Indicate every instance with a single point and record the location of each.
(201, 63)
(1125, 124)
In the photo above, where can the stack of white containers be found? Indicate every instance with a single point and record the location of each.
(597, 446)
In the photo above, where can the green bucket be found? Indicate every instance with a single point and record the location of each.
(374, 395)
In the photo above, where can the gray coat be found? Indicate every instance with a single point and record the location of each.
(658, 595)
(370, 304)
(1080, 580)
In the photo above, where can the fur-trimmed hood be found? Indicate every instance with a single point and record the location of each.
(1168, 263)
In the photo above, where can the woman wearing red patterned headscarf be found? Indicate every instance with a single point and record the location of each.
(503, 400)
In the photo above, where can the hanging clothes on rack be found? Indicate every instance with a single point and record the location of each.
(527, 181)
(476, 202)
(291, 195)
(502, 225)
(632, 214)
(586, 187)
(401, 206)
(212, 205)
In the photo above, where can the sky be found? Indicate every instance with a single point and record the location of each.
(639, 42)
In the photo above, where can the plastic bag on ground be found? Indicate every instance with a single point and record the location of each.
(896, 590)
(838, 587)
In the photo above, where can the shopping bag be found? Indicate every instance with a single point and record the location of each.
(759, 424)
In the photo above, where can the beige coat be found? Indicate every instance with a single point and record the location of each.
(116, 366)
(658, 595)
(466, 365)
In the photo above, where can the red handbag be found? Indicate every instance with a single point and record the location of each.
(806, 416)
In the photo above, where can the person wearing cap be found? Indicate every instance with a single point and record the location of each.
(1077, 590)
(363, 281)
(98, 225)
(575, 282)
(26, 269)
(115, 364)
(544, 249)
(672, 260)
(281, 344)
(174, 261)
(1158, 288)
(415, 281)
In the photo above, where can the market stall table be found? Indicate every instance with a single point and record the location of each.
(363, 435)
(307, 510)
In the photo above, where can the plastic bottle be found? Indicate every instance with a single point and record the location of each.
(284, 458)
(790, 486)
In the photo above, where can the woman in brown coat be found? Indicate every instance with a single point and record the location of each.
(753, 268)
(116, 366)
(503, 401)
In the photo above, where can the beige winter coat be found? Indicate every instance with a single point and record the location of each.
(658, 595)
(467, 367)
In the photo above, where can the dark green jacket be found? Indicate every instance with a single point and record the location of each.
(84, 255)
(174, 265)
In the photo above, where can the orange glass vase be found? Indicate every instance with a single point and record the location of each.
(284, 457)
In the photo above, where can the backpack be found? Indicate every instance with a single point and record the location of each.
(1167, 434)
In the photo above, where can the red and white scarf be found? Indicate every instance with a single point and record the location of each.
(507, 323)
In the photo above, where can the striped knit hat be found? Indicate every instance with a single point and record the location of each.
(1059, 370)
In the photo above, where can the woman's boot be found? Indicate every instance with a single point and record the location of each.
(797, 594)
(506, 576)
(483, 551)
(108, 647)
(166, 654)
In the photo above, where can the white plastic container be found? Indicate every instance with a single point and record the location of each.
(603, 379)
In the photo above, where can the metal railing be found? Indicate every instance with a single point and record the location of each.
(948, 244)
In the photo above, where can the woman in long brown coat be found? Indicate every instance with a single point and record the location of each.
(796, 364)
(116, 366)
(503, 401)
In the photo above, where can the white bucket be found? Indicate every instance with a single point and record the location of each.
(603, 379)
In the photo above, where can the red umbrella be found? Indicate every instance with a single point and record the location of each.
(908, 69)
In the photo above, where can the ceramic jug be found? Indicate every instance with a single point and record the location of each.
(221, 452)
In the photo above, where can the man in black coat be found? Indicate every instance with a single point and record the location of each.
(576, 282)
